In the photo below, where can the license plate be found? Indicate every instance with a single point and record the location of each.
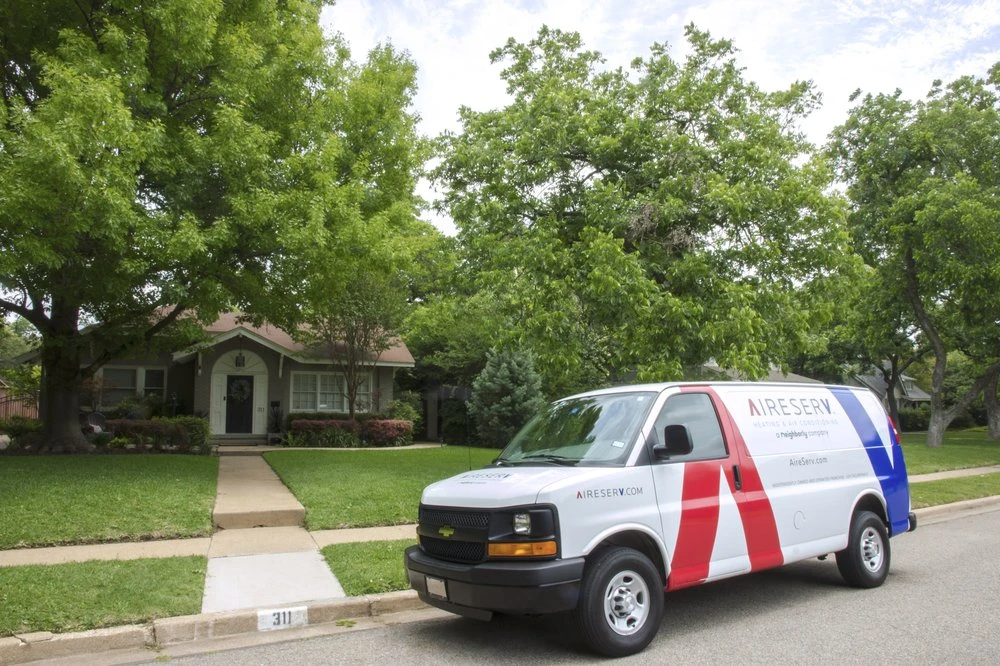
(436, 588)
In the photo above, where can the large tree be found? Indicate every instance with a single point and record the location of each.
(160, 160)
(924, 186)
(634, 223)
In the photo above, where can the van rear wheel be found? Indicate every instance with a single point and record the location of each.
(865, 561)
(621, 602)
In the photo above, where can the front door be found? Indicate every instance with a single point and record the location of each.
(239, 403)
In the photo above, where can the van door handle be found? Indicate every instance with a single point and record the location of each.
(737, 478)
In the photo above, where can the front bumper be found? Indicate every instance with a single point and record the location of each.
(477, 590)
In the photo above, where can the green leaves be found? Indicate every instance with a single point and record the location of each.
(641, 222)
(923, 183)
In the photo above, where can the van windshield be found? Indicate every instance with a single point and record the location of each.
(596, 430)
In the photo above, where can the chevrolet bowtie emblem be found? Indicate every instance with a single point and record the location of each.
(446, 531)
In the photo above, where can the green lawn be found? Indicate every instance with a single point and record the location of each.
(946, 491)
(49, 500)
(87, 595)
(369, 568)
(353, 488)
(961, 449)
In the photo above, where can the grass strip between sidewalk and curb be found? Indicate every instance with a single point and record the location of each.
(370, 567)
(89, 595)
(60, 500)
(352, 488)
(947, 491)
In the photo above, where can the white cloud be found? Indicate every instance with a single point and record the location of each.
(841, 45)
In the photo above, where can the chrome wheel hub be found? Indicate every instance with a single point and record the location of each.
(626, 603)
(871, 549)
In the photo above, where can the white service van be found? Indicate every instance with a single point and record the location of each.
(609, 498)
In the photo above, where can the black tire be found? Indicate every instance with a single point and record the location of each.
(865, 561)
(621, 602)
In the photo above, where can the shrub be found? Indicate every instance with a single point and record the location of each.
(505, 395)
(148, 435)
(181, 434)
(914, 419)
(344, 433)
(197, 429)
(407, 406)
(17, 426)
(333, 433)
(387, 432)
(455, 422)
(137, 407)
(326, 416)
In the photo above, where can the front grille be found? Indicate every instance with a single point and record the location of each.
(456, 551)
(479, 520)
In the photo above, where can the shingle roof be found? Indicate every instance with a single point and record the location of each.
(397, 354)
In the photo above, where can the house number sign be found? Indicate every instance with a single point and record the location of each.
(282, 618)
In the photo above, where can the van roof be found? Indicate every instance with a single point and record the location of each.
(661, 386)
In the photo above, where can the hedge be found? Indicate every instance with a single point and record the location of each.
(16, 426)
(328, 416)
(387, 432)
(181, 434)
(344, 433)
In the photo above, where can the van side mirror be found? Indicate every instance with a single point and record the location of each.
(677, 442)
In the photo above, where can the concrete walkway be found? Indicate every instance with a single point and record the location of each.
(261, 555)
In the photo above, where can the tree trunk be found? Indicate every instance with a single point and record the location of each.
(61, 384)
(891, 378)
(941, 417)
(993, 406)
(935, 429)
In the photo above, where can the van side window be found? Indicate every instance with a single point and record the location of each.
(696, 412)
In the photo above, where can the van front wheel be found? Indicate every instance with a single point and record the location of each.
(621, 602)
(865, 561)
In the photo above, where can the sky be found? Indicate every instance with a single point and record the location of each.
(840, 45)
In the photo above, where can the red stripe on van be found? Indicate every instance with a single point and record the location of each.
(763, 543)
(699, 524)
(700, 509)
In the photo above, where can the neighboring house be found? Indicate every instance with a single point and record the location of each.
(244, 377)
(12, 405)
(908, 394)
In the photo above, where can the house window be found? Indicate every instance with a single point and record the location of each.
(117, 384)
(154, 383)
(304, 393)
(327, 392)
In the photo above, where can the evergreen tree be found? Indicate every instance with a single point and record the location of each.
(505, 395)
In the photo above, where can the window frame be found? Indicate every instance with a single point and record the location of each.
(139, 388)
(694, 455)
(340, 406)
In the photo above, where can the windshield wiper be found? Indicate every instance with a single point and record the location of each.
(551, 458)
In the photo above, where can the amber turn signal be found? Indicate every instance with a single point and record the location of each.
(523, 549)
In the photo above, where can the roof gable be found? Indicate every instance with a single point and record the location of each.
(229, 326)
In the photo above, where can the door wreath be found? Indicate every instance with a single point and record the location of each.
(239, 390)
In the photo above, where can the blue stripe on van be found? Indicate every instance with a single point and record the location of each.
(891, 473)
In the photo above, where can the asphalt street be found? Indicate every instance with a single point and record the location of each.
(941, 604)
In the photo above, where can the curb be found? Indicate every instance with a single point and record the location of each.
(165, 632)
(169, 631)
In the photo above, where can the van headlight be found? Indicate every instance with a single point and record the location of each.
(522, 523)
(524, 532)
